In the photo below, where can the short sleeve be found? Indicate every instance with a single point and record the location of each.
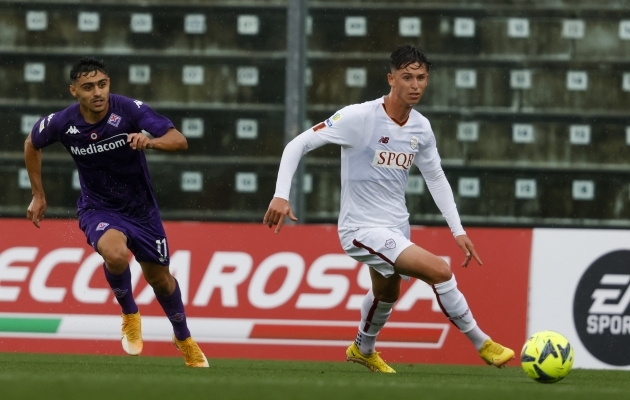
(146, 119)
(45, 132)
(343, 128)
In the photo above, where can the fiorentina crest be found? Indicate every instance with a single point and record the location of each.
(114, 120)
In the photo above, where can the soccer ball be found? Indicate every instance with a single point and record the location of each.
(547, 357)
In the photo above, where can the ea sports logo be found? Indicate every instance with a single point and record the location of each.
(600, 308)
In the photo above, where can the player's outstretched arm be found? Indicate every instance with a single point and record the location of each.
(464, 243)
(173, 140)
(33, 161)
(443, 196)
(278, 209)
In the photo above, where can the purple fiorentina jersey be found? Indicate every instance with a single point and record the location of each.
(113, 176)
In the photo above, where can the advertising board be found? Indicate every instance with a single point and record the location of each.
(250, 293)
(580, 287)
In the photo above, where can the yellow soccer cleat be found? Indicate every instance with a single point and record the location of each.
(192, 353)
(495, 354)
(132, 334)
(373, 362)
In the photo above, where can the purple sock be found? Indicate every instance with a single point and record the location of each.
(121, 286)
(174, 309)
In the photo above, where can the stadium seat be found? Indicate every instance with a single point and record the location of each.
(484, 195)
(215, 189)
(531, 143)
(514, 95)
(231, 133)
(99, 28)
(57, 179)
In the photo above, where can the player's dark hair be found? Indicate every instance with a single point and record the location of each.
(86, 66)
(408, 54)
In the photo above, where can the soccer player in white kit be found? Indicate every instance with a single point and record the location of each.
(380, 141)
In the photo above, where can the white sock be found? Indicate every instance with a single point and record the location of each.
(365, 343)
(455, 307)
(374, 315)
(477, 337)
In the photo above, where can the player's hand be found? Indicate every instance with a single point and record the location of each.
(277, 211)
(35, 211)
(468, 248)
(139, 141)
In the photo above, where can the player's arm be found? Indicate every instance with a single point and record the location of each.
(429, 163)
(172, 140)
(343, 128)
(279, 207)
(33, 161)
(442, 194)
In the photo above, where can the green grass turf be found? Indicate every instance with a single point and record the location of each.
(69, 377)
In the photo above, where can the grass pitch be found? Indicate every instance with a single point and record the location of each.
(69, 377)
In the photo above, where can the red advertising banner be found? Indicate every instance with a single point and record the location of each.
(250, 293)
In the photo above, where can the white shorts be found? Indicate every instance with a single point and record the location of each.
(377, 247)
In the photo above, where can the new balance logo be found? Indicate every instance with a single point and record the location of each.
(383, 139)
(72, 131)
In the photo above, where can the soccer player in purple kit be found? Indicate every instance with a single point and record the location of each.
(117, 208)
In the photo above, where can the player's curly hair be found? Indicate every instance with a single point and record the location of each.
(408, 54)
(86, 66)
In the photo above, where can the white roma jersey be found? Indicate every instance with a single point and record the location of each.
(377, 153)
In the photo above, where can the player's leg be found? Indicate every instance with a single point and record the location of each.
(112, 246)
(168, 294)
(376, 309)
(147, 241)
(106, 233)
(376, 247)
(419, 263)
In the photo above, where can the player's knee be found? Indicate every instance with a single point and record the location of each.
(116, 259)
(441, 273)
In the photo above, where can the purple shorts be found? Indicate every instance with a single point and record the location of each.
(145, 237)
